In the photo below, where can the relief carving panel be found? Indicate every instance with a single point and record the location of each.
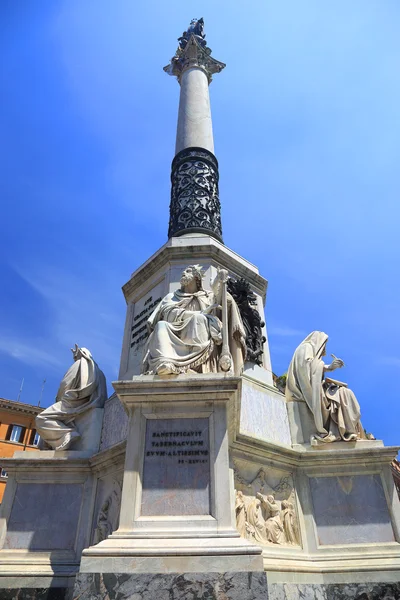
(265, 508)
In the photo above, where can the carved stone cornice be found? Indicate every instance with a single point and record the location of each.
(194, 55)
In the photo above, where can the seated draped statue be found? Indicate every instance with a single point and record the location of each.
(82, 388)
(186, 330)
(334, 406)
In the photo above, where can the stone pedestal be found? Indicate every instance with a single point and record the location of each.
(177, 500)
(45, 520)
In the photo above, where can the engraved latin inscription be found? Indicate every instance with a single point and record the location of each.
(139, 330)
(176, 468)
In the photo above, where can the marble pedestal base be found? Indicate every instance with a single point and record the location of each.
(149, 586)
(176, 522)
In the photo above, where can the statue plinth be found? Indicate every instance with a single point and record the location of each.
(176, 504)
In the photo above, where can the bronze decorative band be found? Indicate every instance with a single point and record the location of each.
(195, 205)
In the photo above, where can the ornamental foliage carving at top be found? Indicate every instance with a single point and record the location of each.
(266, 514)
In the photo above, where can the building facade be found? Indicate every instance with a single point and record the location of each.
(17, 432)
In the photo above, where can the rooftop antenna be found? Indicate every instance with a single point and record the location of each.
(20, 389)
(41, 391)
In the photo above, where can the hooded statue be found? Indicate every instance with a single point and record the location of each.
(186, 334)
(83, 387)
(334, 406)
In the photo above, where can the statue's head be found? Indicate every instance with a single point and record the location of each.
(192, 272)
(78, 353)
(285, 504)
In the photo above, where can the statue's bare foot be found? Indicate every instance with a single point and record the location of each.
(167, 369)
(67, 440)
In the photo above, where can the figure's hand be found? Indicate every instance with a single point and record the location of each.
(337, 363)
(210, 308)
(222, 275)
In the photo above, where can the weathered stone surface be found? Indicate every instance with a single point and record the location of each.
(35, 594)
(351, 509)
(263, 414)
(115, 424)
(193, 586)
(44, 516)
(342, 591)
(176, 472)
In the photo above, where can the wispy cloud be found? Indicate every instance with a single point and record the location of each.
(82, 311)
(28, 353)
(285, 331)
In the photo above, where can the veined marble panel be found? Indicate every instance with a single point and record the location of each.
(264, 414)
(350, 510)
(44, 516)
(115, 424)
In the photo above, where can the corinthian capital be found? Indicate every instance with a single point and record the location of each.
(193, 52)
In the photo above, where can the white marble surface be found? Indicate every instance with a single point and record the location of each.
(263, 414)
(194, 118)
(115, 424)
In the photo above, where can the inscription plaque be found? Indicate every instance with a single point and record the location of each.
(176, 468)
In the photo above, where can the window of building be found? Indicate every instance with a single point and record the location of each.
(3, 473)
(15, 433)
(36, 438)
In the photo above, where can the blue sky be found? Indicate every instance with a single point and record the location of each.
(307, 128)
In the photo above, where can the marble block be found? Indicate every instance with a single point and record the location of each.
(115, 423)
(176, 471)
(301, 421)
(89, 425)
(44, 516)
(177, 586)
(350, 510)
(263, 414)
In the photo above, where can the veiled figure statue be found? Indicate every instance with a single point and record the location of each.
(186, 331)
(334, 406)
(83, 387)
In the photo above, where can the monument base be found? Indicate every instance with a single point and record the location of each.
(180, 555)
(161, 586)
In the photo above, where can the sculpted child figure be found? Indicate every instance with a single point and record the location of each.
(334, 406)
(186, 330)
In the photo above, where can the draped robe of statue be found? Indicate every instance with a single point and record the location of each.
(335, 408)
(240, 510)
(289, 523)
(82, 388)
(273, 525)
(182, 336)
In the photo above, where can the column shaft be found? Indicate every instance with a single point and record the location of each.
(194, 118)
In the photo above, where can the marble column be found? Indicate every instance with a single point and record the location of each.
(194, 117)
(195, 205)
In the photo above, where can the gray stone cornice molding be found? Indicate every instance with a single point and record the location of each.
(201, 249)
(19, 407)
(194, 55)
